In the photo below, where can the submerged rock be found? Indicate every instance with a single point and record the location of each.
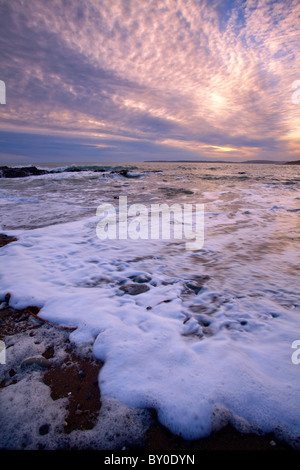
(174, 191)
(197, 283)
(135, 289)
(38, 361)
(141, 278)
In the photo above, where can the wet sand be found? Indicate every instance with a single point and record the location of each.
(76, 379)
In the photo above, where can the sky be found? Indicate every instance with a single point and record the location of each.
(139, 80)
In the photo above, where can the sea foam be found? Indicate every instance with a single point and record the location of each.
(155, 347)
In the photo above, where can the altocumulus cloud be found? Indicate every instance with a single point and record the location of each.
(136, 79)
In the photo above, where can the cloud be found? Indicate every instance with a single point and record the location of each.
(180, 74)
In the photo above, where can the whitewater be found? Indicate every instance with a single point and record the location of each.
(207, 337)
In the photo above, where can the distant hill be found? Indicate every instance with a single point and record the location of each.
(264, 162)
(247, 162)
(186, 161)
(296, 162)
(256, 162)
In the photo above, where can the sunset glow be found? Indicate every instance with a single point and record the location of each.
(182, 79)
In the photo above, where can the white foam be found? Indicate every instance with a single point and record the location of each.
(154, 355)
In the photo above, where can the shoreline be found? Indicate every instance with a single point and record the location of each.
(71, 375)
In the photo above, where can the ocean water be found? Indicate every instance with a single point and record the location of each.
(208, 338)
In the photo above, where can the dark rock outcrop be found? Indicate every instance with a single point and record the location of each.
(20, 172)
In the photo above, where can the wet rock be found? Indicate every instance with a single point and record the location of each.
(135, 289)
(49, 352)
(165, 301)
(175, 191)
(202, 320)
(38, 361)
(5, 239)
(197, 283)
(186, 320)
(44, 429)
(141, 278)
(10, 172)
(207, 331)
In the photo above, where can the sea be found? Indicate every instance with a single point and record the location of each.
(205, 334)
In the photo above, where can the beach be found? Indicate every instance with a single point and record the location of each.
(68, 375)
(149, 228)
(141, 343)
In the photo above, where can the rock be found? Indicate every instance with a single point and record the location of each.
(207, 331)
(49, 353)
(10, 172)
(5, 239)
(194, 286)
(197, 283)
(135, 289)
(44, 429)
(140, 278)
(174, 191)
(38, 361)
